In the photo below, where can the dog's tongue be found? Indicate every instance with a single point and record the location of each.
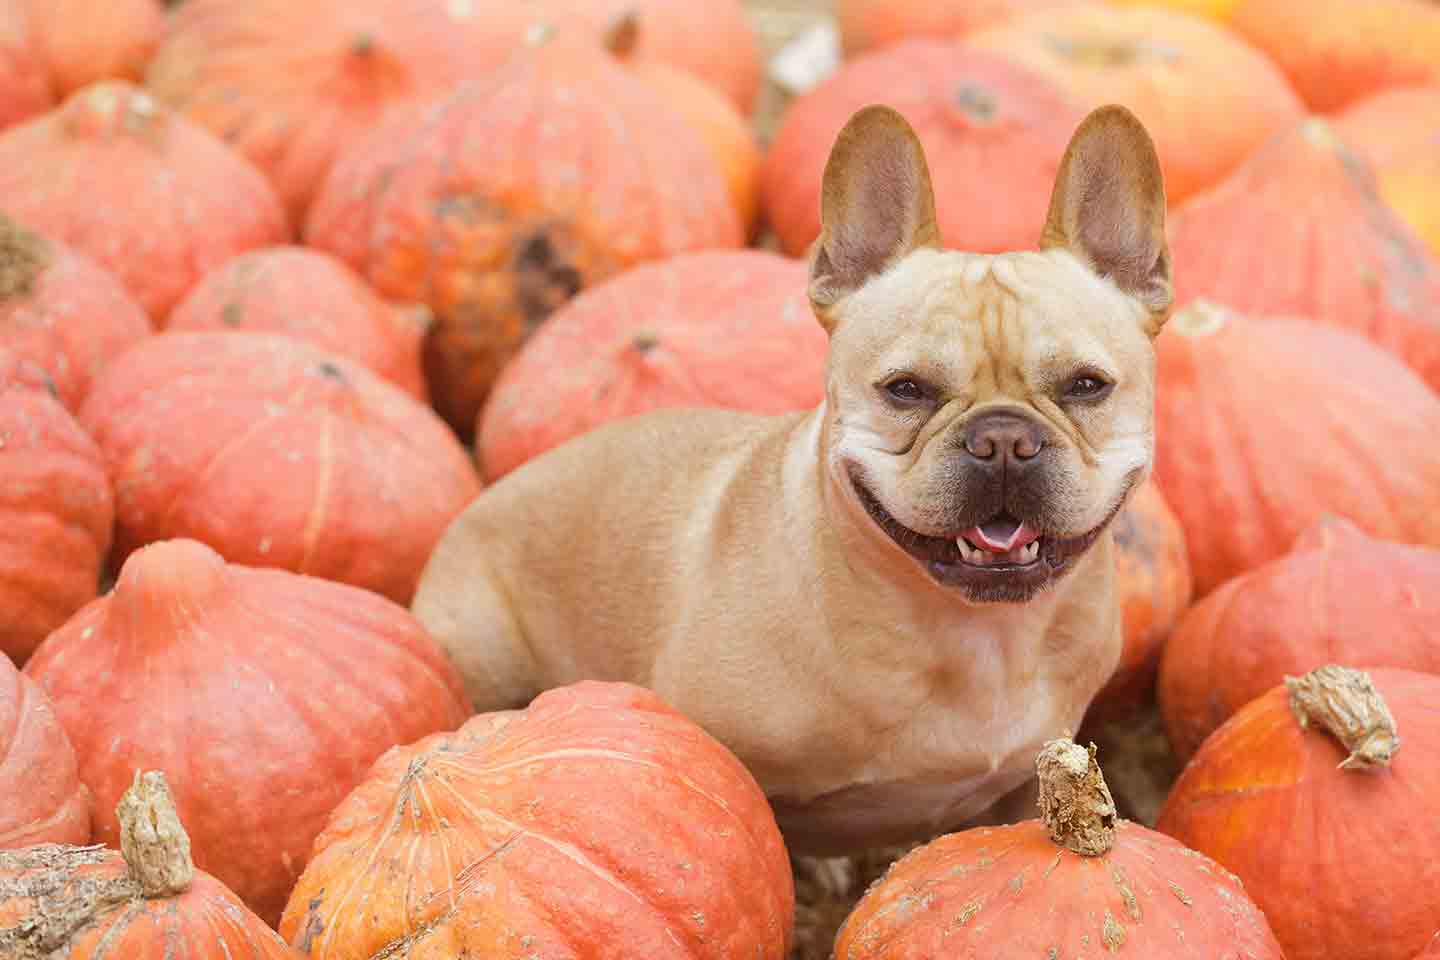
(1001, 536)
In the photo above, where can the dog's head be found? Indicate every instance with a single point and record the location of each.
(987, 415)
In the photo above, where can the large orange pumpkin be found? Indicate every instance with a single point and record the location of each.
(151, 196)
(865, 24)
(1398, 133)
(1332, 821)
(56, 510)
(83, 42)
(1207, 98)
(994, 131)
(715, 329)
(1298, 612)
(1264, 426)
(24, 81)
(1078, 882)
(312, 296)
(1318, 243)
(598, 823)
(499, 204)
(263, 695)
(45, 802)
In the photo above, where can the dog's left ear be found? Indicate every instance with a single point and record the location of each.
(1108, 208)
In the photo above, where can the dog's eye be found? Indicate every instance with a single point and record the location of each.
(1087, 387)
(906, 391)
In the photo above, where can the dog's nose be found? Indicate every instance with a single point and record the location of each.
(1003, 436)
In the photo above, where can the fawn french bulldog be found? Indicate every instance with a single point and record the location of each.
(884, 606)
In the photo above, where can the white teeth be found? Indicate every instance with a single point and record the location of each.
(968, 553)
(1030, 551)
(984, 558)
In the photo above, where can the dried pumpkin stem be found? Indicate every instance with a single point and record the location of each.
(24, 255)
(155, 845)
(622, 33)
(1075, 803)
(1344, 702)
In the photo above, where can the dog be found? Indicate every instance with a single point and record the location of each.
(884, 606)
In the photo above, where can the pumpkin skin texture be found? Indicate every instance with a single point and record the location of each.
(719, 328)
(1334, 253)
(597, 823)
(24, 82)
(56, 510)
(1206, 97)
(62, 311)
(313, 297)
(83, 42)
(1318, 845)
(1229, 387)
(1298, 612)
(360, 479)
(499, 204)
(999, 128)
(45, 802)
(258, 757)
(1398, 133)
(866, 24)
(1432, 951)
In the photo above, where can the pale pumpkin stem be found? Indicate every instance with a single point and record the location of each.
(24, 255)
(1344, 702)
(154, 843)
(645, 340)
(622, 33)
(1075, 803)
(1200, 318)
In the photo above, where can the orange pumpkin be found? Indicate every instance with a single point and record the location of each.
(1431, 951)
(721, 328)
(499, 204)
(1078, 882)
(26, 83)
(144, 902)
(312, 296)
(1264, 426)
(865, 24)
(263, 695)
(45, 802)
(182, 202)
(1312, 799)
(1398, 133)
(597, 823)
(1298, 612)
(83, 42)
(999, 128)
(1207, 98)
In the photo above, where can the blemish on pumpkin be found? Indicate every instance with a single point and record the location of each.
(231, 314)
(1113, 933)
(24, 255)
(314, 923)
(1180, 894)
(645, 340)
(967, 912)
(329, 370)
(1132, 905)
(544, 276)
(976, 102)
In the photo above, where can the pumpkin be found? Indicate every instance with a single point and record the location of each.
(45, 802)
(276, 454)
(722, 328)
(312, 296)
(26, 88)
(866, 24)
(1321, 795)
(262, 694)
(1207, 98)
(1337, 51)
(56, 510)
(1077, 882)
(83, 42)
(145, 901)
(181, 201)
(1000, 129)
(1298, 612)
(598, 822)
(1212, 9)
(497, 205)
(1398, 133)
(62, 311)
(1264, 426)
(1431, 951)
(1327, 247)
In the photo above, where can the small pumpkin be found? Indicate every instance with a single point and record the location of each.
(45, 802)
(1321, 795)
(83, 42)
(264, 695)
(1397, 132)
(598, 822)
(26, 83)
(868, 24)
(722, 328)
(316, 298)
(1076, 882)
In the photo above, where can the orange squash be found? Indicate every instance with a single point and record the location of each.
(26, 83)
(1397, 131)
(45, 802)
(866, 24)
(83, 42)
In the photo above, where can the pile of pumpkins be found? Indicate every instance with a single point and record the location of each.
(284, 285)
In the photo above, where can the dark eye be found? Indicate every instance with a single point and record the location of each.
(906, 391)
(1087, 387)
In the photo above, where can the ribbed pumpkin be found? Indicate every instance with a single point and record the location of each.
(1264, 426)
(1329, 249)
(597, 823)
(83, 42)
(24, 81)
(1398, 133)
(62, 311)
(996, 133)
(1338, 596)
(45, 802)
(315, 297)
(277, 454)
(145, 901)
(262, 694)
(181, 202)
(865, 24)
(1207, 98)
(1330, 818)
(715, 329)
(1078, 882)
(499, 204)
(56, 510)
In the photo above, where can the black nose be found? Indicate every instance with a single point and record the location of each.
(1003, 436)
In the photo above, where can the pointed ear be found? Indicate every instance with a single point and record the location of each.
(1108, 207)
(876, 205)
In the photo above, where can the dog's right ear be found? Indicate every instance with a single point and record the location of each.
(876, 205)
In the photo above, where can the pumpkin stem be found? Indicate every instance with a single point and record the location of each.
(155, 845)
(24, 255)
(1345, 703)
(645, 340)
(622, 33)
(1075, 803)
(976, 102)
(1200, 318)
